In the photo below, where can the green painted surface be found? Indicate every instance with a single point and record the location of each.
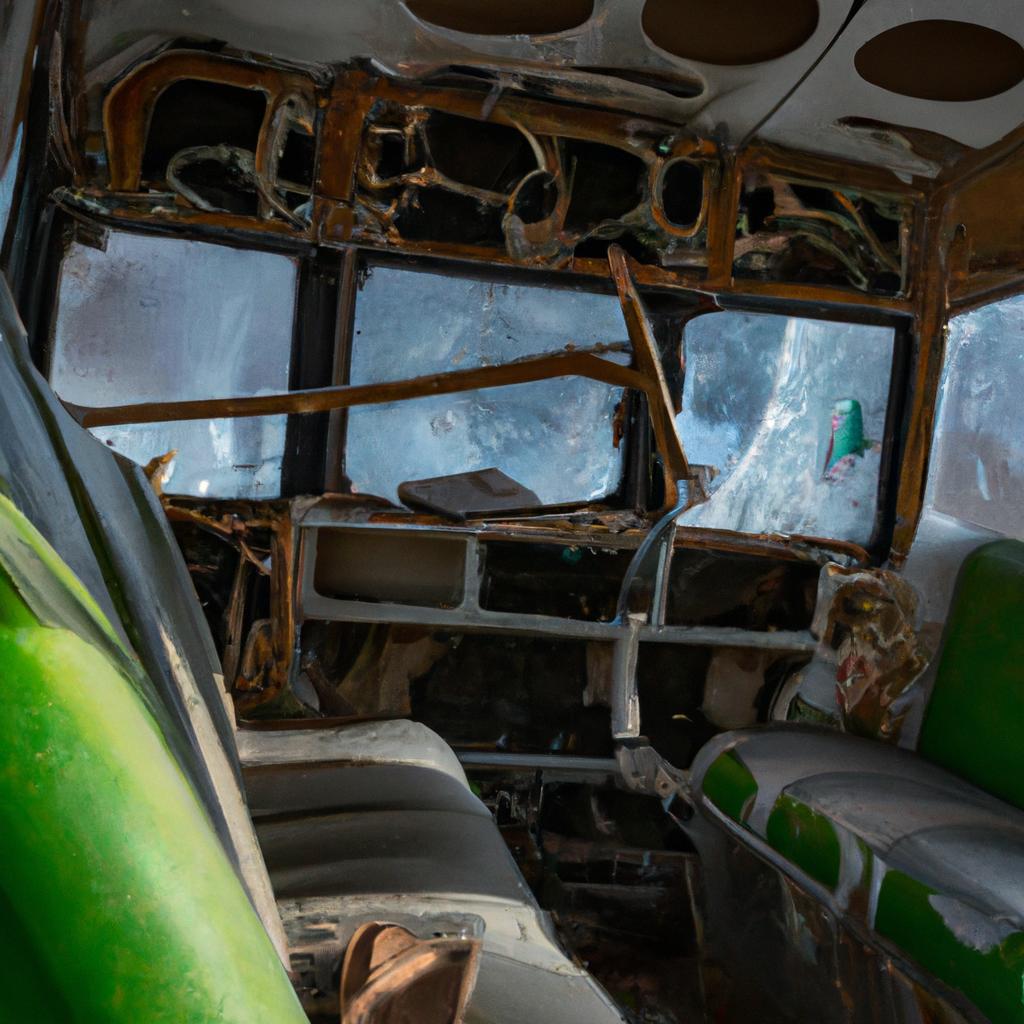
(974, 725)
(119, 905)
(993, 979)
(805, 838)
(729, 785)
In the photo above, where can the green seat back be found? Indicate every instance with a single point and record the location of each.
(974, 725)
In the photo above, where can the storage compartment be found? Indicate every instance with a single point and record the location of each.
(567, 581)
(748, 592)
(367, 565)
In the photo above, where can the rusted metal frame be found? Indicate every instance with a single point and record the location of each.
(553, 246)
(656, 171)
(536, 118)
(234, 522)
(149, 212)
(931, 313)
(525, 371)
(1002, 274)
(790, 547)
(824, 172)
(426, 176)
(338, 418)
(723, 206)
(282, 606)
(828, 172)
(232, 532)
(822, 294)
(354, 94)
(646, 274)
(542, 118)
(129, 104)
(650, 276)
(283, 110)
(234, 618)
(341, 141)
(659, 401)
(341, 129)
(986, 293)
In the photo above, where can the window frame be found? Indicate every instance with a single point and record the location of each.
(898, 402)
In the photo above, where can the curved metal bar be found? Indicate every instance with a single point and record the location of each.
(650, 564)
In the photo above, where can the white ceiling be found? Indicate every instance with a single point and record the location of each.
(812, 87)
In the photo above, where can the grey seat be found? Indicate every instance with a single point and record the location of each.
(332, 830)
(376, 821)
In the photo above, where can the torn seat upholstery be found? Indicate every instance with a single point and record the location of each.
(918, 854)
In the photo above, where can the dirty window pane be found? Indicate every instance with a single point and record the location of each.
(976, 473)
(554, 437)
(791, 412)
(165, 319)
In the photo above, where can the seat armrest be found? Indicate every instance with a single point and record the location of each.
(392, 741)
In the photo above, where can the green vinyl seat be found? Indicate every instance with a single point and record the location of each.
(923, 849)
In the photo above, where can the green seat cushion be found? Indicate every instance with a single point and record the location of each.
(966, 950)
(974, 725)
(929, 862)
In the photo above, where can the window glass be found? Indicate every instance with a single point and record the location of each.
(555, 437)
(976, 472)
(165, 319)
(791, 413)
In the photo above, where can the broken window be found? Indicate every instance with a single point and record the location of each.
(557, 438)
(791, 415)
(975, 472)
(149, 319)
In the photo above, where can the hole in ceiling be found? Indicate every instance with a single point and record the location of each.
(729, 31)
(524, 17)
(536, 198)
(949, 61)
(682, 192)
(478, 153)
(191, 112)
(607, 182)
